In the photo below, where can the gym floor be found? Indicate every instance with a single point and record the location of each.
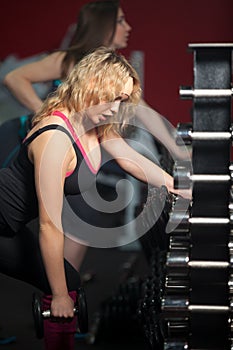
(108, 268)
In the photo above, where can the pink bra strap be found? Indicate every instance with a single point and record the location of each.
(73, 133)
(66, 120)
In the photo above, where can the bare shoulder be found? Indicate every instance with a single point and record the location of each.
(46, 69)
(55, 57)
(49, 139)
(46, 122)
(52, 62)
(52, 65)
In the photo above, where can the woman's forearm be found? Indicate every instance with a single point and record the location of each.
(138, 165)
(20, 80)
(145, 170)
(52, 249)
(23, 91)
(162, 130)
(152, 174)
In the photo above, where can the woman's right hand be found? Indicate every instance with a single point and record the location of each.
(185, 193)
(62, 306)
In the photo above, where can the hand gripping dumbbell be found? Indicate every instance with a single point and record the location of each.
(80, 310)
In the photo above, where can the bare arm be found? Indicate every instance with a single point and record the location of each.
(161, 129)
(20, 80)
(51, 161)
(137, 165)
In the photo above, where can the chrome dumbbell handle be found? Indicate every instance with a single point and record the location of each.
(209, 221)
(183, 177)
(209, 308)
(173, 305)
(176, 344)
(184, 180)
(181, 222)
(185, 134)
(47, 313)
(210, 178)
(180, 259)
(210, 136)
(187, 92)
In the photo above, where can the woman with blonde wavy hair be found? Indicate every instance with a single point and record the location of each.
(61, 156)
(97, 79)
(66, 139)
(99, 23)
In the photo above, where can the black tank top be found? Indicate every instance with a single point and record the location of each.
(18, 200)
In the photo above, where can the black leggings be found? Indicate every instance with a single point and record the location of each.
(20, 258)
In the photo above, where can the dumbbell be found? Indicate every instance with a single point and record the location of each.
(80, 310)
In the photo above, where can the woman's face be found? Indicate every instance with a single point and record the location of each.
(103, 111)
(120, 39)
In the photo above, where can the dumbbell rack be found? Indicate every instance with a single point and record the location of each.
(197, 300)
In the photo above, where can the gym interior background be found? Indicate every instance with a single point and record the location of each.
(161, 32)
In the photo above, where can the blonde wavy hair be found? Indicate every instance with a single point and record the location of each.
(99, 76)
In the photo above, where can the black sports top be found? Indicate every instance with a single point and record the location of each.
(18, 200)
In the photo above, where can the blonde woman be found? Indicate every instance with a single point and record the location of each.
(66, 139)
(99, 23)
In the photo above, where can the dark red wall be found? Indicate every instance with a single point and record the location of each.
(161, 29)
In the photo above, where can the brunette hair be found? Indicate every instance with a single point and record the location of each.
(96, 26)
